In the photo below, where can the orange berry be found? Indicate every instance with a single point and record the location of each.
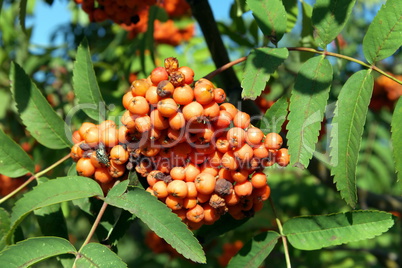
(282, 157)
(219, 95)
(173, 202)
(84, 167)
(158, 121)
(205, 183)
(259, 179)
(177, 121)
(204, 93)
(84, 128)
(183, 95)
(273, 141)
(193, 111)
(243, 189)
(167, 107)
(118, 154)
(152, 95)
(254, 136)
(102, 175)
(139, 87)
(188, 74)
(159, 74)
(241, 120)
(236, 137)
(177, 188)
(160, 189)
(138, 105)
(196, 214)
(230, 108)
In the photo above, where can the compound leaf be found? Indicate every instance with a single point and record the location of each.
(14, 161)
(36, 113)
(315, 232)
(33, 250)
(161, 220)
(306, 110)
(396, 130)
(86, 87)
(260, 64)
(52, 192)
(270, 16)
(329, 18)
(275, 116)
(292, 11)
(98, 256)
(347, 129)
(255, 251)
(4, 226)
(383, 36)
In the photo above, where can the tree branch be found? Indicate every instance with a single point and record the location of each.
(202, 12)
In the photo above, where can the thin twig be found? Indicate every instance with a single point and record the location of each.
(310, 50)
(33, 177)
(224, 67)
(95, 225)
(22, 186)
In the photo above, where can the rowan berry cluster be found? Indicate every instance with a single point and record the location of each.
(133, 15)
(386, 92)
(200, 156)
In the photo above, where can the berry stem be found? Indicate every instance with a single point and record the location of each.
(32, 178)
(311, 50)
(95, 225)
(285, 244)
(39, 174)
(280, 228)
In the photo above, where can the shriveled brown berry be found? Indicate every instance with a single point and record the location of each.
(177, 78)
(223, 187)
(216, 201)
(171, 64)
(165, 89)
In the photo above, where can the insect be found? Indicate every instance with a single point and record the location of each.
(101, 155)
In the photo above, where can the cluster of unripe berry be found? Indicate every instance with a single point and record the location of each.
(200, 156)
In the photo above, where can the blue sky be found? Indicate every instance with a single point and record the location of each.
(59, 13)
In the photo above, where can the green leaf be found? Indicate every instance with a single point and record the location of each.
(383, 36)
(23, 13)
(161, 220)
(14, 161)
(329, 18)
(33, 250)
(255, 251)
(52, 192)
(396, 130)
(36, 113)
(307, 29)
(97, 255)
(260, 64)
(86, 87)
(275, 116)
(306, 110)
(315, 232)
(292, 11)
(271, 17)
(347, 130)
(51, 219)
(4, 226)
